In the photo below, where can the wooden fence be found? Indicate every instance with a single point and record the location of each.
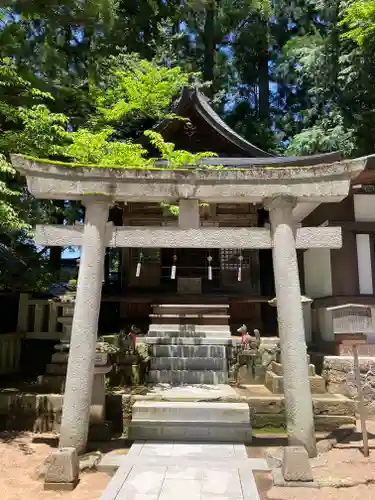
(37, 318)
(10, 351)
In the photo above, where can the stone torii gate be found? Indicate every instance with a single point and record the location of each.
(281, 190)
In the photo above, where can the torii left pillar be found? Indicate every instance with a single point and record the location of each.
(80, 371)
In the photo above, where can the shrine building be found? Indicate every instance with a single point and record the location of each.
(136, 279)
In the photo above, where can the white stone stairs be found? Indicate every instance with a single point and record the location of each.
(191, 421)
(186, 356)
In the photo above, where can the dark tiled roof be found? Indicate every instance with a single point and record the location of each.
(252, 155)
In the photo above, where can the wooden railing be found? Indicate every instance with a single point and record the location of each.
(37, 318)
(10, 350)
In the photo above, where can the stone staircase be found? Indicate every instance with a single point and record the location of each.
(191, 421)
(189, 344)
(275, 383)
(209, 320)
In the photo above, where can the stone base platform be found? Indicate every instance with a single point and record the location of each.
(41, 412)
(191, 421)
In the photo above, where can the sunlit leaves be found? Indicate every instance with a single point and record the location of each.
(137, 86)
(359, 18)
(175, 158)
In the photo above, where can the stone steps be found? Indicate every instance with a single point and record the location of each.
(56, 369)
(190, 308)
(191, 431)
(189, 421)
(278, 369)
(188, 341)
(221, 331)
(165, 411)
(275, 383)
(54, 383)
(209, 320)
(188, 377)
(184, 355)
(189, 363)
(187, 319)
(184, 351)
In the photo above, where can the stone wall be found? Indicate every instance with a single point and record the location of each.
(42, 412)
(329, 413)
(339, 375)
(30, 412)
(265, 411)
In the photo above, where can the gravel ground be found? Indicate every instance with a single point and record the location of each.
(21, 458)
(345, 464)
(20, 462)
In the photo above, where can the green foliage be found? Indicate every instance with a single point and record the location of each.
(297, 78)
(97, 148)
(9, 215)
(175, 158)
(359, 18)
(27, 125)
(132, 89)
(40, 131)
(326, 136)
(137, 86)
(72, 285)
(89, 147)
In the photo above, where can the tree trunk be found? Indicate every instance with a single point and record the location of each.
(209, 45)
(55, 259)
(264, 106)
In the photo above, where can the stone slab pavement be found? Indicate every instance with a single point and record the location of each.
(183, 471)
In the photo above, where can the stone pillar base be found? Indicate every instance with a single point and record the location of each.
(63, 470)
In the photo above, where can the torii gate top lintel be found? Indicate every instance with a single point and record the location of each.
(250, 184)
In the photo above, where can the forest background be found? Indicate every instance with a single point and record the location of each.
(82, 79)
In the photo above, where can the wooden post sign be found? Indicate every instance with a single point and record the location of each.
(361, 403)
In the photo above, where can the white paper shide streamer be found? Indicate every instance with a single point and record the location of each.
(173, 268)
(209, 259)
(139, 265)
(240, 259)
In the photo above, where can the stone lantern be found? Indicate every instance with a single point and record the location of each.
(306, 309)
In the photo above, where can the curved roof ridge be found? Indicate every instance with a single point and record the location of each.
(216, 122)
(193, 97)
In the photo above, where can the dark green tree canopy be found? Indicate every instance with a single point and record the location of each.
(83, 79)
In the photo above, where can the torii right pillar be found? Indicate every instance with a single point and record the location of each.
(297, 393)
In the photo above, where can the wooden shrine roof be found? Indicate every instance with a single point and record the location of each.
(205, 130)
